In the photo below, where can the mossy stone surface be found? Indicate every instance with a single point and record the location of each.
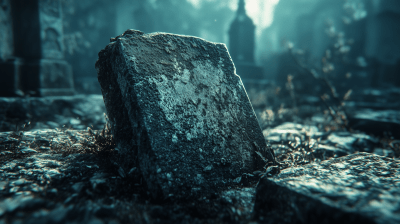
(177, 106)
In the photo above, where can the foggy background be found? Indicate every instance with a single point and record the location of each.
(353, 43)
(366, 30)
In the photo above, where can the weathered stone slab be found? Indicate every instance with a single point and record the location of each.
(377, 122)
(177, 101)
(359, 188)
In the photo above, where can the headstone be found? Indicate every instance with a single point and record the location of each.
(176, 104)
(358, 188)
(382, 43)
(9, 66)
(6, 38)
(241, 47)
(37, 65)
(241, 36)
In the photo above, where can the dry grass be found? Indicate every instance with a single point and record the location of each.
(85, 142)
(62, 141)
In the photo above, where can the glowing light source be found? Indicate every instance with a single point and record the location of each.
(261, 11)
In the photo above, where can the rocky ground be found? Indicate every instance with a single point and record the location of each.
(57, 170)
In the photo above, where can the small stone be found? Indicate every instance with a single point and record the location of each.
(53, 164)
(96, 180)
(5, 153)
(121, 172)
(3, 185)
(47, 176)
(70, 198)
(77, 187)
(52, 191)
(74, 121)
(9, 205)
(237, 180)
(207, 168)
(13, 189)
(35, 188)
(44, 148)
(52, 173)
(19, 182)
(132, 170)
(9, 166)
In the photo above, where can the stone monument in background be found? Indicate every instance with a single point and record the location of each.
(241, 47)
(32, 50)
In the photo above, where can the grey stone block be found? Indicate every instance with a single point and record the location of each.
(358, 188)
(176, 104)
(47, 77)
(376, 122)
(42, 21)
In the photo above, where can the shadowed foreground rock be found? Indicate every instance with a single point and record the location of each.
(359, 188)
(178, 108)
(45, 179)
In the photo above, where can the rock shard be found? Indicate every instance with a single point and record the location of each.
(358, 188)
(179, 112)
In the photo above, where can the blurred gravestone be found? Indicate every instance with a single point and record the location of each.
(176, 105)
(383, 43)
(36, 65)
(6, 41)
(8, 64)
(241, 48)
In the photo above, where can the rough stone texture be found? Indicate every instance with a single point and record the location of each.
(359, 188)
(43, 183)
(177, 101)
